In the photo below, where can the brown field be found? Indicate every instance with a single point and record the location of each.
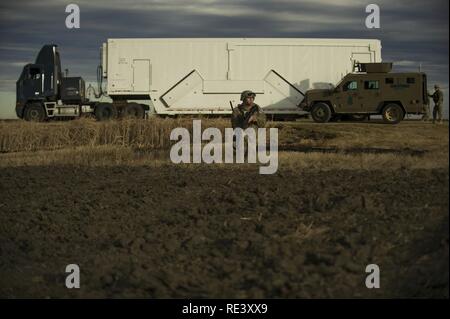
(106, 197)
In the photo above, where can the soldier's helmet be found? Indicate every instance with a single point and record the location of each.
(436, 86)
(247, 93)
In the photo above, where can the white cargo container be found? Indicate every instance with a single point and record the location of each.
(201, 75)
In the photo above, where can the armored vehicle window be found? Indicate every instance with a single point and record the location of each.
(389, 81)
(410, 80)
(352, 85)
(371, 85)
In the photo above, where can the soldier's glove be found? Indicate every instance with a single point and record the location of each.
(253, 119)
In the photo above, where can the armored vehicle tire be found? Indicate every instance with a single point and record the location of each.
(105, 111)
(393, 113)
(134, 110)
(321, 112)
(34, 112)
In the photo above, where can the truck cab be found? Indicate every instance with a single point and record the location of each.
(43, 92)
(371, 90)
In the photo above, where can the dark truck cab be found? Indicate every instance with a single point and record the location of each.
(42, 92)
(373, 89)
(41, 86)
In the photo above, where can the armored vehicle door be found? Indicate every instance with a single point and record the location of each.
(347, 96)
(412, 98)
(370, 95)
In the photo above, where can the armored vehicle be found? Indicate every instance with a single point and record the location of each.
(371, 89)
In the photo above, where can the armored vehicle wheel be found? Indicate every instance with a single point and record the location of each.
(321, 113)
(134, 110)
(34, 112)
(105, 111)
(392, 113)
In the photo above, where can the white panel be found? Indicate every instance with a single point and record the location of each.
(289, 95)
(193, 82)
(141, 75)
(305, 63)
(236, 87)
(362, 57)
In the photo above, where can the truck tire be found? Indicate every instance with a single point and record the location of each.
(34, 113)
(321, 113)
(105, 111)
(393, 113)
(134, 110)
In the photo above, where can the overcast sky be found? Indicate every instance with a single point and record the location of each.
(412, 31)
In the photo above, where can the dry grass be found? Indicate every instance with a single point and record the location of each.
(154, 133)
(146, 142)
(82, 155)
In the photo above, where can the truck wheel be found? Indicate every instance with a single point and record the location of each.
(105, 111)
(134, 110)
(35, 113)
(393, 113)
(321, 113)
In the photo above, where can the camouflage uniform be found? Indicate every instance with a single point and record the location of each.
(238, 118)
(240, 114)
(438, 98)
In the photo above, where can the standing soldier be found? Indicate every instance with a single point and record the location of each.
(248, 114)
(438, 98)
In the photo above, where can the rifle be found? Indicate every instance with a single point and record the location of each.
(247, 117)
(250, 113)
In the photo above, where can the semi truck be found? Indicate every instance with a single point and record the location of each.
(372, 89)
(189, 76)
